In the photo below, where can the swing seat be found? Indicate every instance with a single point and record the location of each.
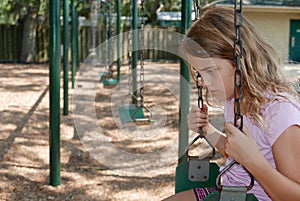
(126, 112)
(140, 121)
(215, 196)
(103, 76)
(109, 83)
(143, 121)
(183, 182)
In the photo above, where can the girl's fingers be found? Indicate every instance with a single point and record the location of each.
(205, 109)
(203, 122)
(195, 109)
(197, 117)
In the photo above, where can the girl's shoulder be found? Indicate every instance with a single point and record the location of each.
(282, 102)
(281, 113)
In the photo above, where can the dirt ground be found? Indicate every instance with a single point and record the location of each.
(24, 145)
(89, 169)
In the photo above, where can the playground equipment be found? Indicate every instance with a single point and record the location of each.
(107, 79)
(135, 112)
(104, 12)
(102, 16)
(54, 75)
(54, 92)
(196, 172)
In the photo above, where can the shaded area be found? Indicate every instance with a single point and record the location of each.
(24, 143)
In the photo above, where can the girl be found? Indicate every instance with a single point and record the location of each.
(268, 147)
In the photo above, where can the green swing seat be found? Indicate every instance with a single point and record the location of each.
(217, 196)
(103, 76)
(131, 113)
(110, 83)
(183, 182)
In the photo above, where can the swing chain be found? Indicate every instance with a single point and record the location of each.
(200, 129)
(105, 27)
(200, 98)
(94, 20)
(130, 49)
(238, 54)
(111, 39)
(238, 93)
(142, 51)
(197, 9)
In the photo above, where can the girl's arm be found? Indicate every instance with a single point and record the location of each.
(216, 138)
(199, 118)
(282, 183)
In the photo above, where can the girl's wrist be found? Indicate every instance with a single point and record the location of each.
(255, 163)
(213, 135)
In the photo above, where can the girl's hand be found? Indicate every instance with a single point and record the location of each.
(198, 118)
(241, 146)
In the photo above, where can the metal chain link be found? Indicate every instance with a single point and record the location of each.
(238, 93)
(111, 39)
(200, 98)
(94, 20)
(142, 51)
(196, 5)
(238, 53)
(105, 26)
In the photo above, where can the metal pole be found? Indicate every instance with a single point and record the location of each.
(134, 49)
(66, 56)
(74, 37)
(54, 68)
(186, 11)
(118, 38)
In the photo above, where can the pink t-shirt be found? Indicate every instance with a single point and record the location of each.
(279, 115)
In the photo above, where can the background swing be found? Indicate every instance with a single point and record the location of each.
(105, 18)
(195, 172)
(135, 112)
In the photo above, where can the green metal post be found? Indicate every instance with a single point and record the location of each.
(66, 57)
(134, 48)
(109, 31)
(74, 38)
(118, 38)
(186, 11)
(54, 68)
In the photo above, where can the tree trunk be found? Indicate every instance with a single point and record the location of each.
(29, 35)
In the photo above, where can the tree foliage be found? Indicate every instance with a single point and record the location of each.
(12, 11)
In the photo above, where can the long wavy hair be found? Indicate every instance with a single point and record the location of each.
(214, 32)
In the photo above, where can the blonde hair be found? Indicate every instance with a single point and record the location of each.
(215, 32)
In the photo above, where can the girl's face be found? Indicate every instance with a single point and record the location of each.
(217, 75)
